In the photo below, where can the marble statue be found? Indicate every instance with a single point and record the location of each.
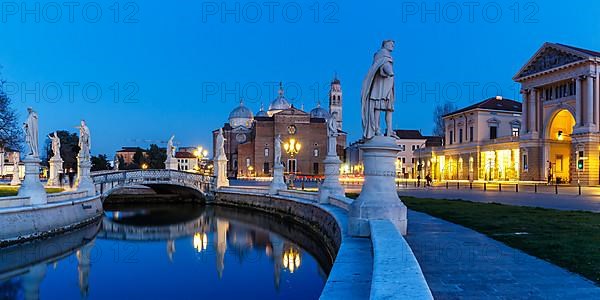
(55, 144)
(85, 143)
(16, 159)
(332, 127)
(220, 151)
(377, 93)
(116, 163)
(170, 147)
(277, 151)
(31, 132)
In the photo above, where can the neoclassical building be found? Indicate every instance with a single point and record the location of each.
(249, 137)
(553, 134)
(560, 135)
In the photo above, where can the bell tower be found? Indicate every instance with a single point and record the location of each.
(335, 100)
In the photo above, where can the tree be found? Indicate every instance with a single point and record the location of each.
(100, 163)
(11, 134)
(69, 148)
(138, 159)
(438, 117)
(156, 157)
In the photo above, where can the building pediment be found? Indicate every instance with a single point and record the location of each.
(549, 57)
(292, 111)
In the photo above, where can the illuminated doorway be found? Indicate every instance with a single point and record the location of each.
(558, 147)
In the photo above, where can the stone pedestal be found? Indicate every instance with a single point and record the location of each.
(32, 187)
(171, 163)
(16, 180)
(221, 171)
(378, 198)
(331, 185)
(84, 181)
(278, 183)
(54, 172)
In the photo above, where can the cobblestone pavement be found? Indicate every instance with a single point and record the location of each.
(459, 263)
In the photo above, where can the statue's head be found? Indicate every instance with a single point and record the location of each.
(388, 44)
(82, 122)
(29, 109)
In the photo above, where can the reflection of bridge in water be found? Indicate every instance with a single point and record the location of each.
(233, 229)
(162, 181)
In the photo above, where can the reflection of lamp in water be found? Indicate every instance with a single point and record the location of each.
(291, 259)
(200, 241)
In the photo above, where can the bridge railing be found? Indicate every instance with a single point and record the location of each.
(132, 177)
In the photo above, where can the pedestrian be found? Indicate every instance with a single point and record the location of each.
(419, 180)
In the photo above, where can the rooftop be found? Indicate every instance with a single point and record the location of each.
(494, 103)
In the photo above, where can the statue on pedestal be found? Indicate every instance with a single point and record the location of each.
(378, 199)
(220, 151)
(220, 161)
(277, 154)
(171, 162)
(377, 94)
(85, 143)
(55, 145)
(170, 147)
(16, 179)
(31, 132)
(331, 185)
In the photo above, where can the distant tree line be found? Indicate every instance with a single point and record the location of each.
(154, 158)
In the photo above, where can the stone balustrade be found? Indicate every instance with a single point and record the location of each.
(66, 196)
(14, 201)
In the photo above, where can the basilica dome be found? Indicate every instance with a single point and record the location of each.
(262, 112)
(280, 103)
(319, 112)
(241, 116)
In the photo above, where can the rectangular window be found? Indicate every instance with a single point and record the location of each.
(412, 160)
(316, 152)
(493, 132)
(471, 134)
(266, 152)
(525, 162)
(460, 135)
(315, 168)
(451, 137)
(266, 169)
(247, 162)
(404, 160)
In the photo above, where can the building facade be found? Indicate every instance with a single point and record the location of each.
(552, 136)
(560, 139)
(249, 138)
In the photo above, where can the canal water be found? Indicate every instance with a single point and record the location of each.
(171, 251)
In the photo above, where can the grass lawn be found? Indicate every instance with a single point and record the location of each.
(6, 191)
(569, 239)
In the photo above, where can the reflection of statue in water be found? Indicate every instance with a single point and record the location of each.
(55, 145)
(277, 151)
(377, 94)
(31, 132)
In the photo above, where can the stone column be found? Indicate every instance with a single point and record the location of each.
(84, 181)
(525, 116)
(378, 198)
(597, 101)
(589, 107)
(331, 185)
(32, 186)
(56, 164)
(578, 102)
(532, 99)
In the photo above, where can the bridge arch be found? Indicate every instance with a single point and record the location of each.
(108, 182)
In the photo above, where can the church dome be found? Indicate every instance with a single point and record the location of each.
(262, 112)
(241, 116)
(319, 112)
(280, 103)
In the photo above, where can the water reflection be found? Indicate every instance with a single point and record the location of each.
(167, 251)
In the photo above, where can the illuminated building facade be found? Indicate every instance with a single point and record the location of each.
(481, 143)
(249, 137)
(560, 139)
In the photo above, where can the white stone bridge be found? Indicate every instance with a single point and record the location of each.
(106, 182)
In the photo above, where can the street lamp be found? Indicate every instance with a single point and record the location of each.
(292, 147)
(144, 166)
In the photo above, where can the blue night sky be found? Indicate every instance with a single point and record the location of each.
(181, 67)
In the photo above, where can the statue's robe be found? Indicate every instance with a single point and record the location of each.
(31, 133)
(377, 91)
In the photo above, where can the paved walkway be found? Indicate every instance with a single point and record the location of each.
(460, 263)
(523, 198)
